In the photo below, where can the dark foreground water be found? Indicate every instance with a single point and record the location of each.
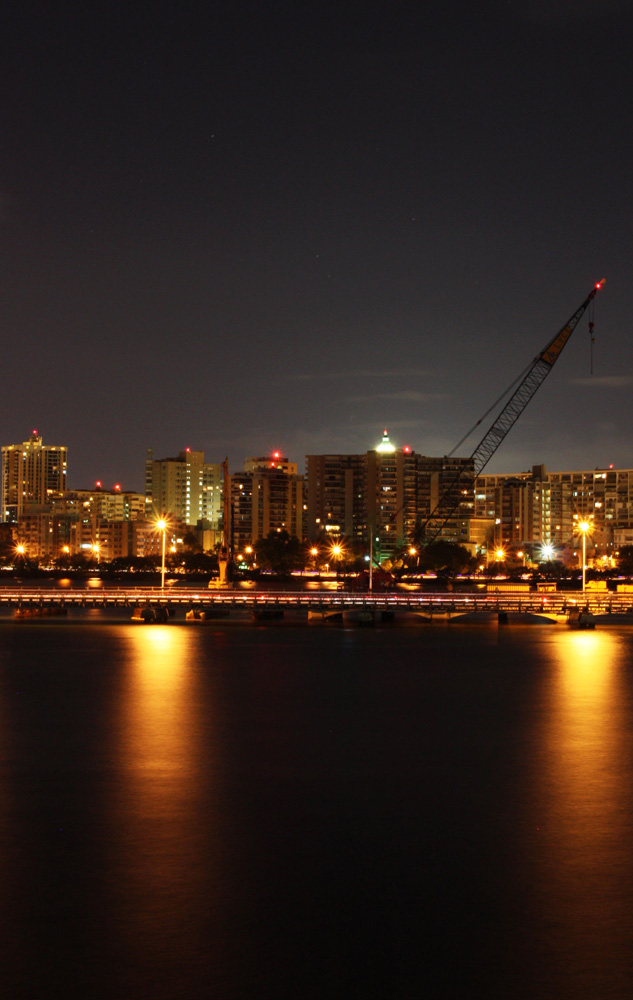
(303, 812)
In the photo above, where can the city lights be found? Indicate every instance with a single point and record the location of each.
(327, 509)
(161, 525)
(584, 527)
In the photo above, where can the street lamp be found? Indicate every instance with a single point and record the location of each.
(584, 527)
(336, 552)
(161, 525)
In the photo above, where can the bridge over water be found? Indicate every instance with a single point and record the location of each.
(385, 606)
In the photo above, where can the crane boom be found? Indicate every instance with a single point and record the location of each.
(472, 467)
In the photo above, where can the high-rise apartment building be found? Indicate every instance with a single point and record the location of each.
(267, 496)
(388, 490)
(32, 474)
(336, 495)
(186, 487)
(541, 507)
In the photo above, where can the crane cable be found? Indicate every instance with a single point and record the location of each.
(505, 393)
(520, 379)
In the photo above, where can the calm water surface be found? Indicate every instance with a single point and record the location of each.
(303, 812)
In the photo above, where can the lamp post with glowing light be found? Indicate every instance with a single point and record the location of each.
(336, 552)
(161, 525)
(583, 527)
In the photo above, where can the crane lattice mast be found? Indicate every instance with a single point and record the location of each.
(531, 379)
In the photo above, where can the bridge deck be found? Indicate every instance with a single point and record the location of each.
(442, 605)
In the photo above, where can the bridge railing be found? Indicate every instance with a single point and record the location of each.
(555, 603)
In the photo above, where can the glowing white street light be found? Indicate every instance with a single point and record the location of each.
(584, 527)
(161, 526)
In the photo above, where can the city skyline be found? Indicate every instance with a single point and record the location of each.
(275, 455)
(245, 229)
(391, 493)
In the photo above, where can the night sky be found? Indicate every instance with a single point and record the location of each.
(256, 228)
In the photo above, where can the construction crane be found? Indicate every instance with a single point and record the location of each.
(523, 389)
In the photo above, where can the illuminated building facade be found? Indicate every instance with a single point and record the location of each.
(186, 487)
(267, 496)
(391, 496)
(32, 474)
(336, 496)
(104, 540)
(541, 507)
(388, 490)
(110, 505)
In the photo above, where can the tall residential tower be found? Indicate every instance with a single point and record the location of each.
(32, 473)
(186, 487)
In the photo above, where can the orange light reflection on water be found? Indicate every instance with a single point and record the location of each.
(159, 717)
(583, 809)
(585, 735)
(160, 859)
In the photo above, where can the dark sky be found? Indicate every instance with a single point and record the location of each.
(256, 228)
